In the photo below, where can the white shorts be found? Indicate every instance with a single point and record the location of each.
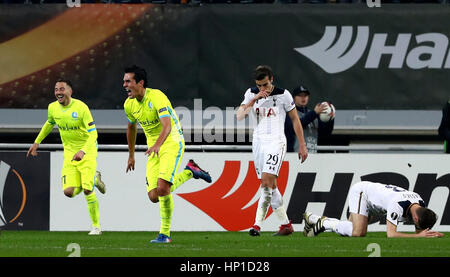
(268, 155)
(357, 200)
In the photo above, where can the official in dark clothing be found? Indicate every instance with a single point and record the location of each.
(444, 127)
(313, 128)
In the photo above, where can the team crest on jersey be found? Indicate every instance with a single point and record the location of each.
(75, 115)
(150, 105)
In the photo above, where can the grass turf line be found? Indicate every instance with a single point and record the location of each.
(215, 244)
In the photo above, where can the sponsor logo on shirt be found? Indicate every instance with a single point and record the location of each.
(148, 122)
(68, 127)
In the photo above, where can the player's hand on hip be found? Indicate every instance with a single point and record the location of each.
(78, 156)
(130, 165)
(33, 150)
(302, 153)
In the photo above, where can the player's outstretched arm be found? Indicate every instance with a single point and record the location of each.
(391, 232)
(427, 233)
(45, 130)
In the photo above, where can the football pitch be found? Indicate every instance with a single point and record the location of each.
(215, 244)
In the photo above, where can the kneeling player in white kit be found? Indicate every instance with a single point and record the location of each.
(270, 105)
(368, 199)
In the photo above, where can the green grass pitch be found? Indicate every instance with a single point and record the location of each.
(215, 244)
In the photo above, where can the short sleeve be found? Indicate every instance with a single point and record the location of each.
(288, 102)
(248, 96)
(88, 120)
(393, 213)
(128, 111)
(161, 104)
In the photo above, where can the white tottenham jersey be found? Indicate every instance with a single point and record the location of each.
(270, 113)
(390, 200)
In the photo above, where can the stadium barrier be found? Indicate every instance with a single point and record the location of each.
(419, 148)
(319, 185)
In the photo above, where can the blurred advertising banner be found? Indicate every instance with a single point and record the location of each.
(319, 185)
(24, 191)
(393, 57)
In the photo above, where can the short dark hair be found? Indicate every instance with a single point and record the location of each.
(139, 73)
(427, 218)
(262, 71)
(67, 81)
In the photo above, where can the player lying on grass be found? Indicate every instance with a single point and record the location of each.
(372, 200)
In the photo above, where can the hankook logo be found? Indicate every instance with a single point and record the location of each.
(9, 176)
(336, 53)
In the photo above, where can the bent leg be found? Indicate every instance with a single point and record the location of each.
(359, 223)
(70, 179)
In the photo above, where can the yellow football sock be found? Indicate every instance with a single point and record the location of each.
(180, 178)
(165, 210)
(93, 209)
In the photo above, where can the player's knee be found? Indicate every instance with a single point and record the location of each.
(268, 183)
(359, 232)
(153, 196)
(163, 190)
(68, 193)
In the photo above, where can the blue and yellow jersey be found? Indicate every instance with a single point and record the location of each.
(76, 127)
(154, 105)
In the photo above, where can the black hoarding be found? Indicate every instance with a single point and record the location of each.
(24, 191)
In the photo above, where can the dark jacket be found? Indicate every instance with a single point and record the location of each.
(307, 117)
(444, 127)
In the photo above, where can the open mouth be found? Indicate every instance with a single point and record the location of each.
(60, 96)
